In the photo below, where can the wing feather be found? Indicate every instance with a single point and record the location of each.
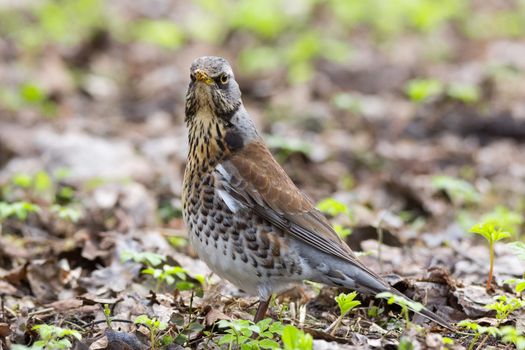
(252, 177)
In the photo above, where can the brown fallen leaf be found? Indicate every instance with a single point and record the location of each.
(213, 316)
(5, 330)
(65, 305)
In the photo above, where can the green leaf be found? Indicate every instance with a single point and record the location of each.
(333, 207)
(520, 286)
(489, 232)
(268, 344)
(277, 328)
(346, 302)
(401, 301)
(22, 180)
(32, 93)
(143, 319)
(295, 339)
(466, 93)
(421, 90)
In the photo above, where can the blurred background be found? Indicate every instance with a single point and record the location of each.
(405, 117)
(411, 112)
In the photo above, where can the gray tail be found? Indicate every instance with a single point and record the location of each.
(425, 312)
(367, 282)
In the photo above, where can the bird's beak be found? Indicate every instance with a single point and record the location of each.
(203, 76)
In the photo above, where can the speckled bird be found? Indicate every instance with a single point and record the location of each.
(246, 218)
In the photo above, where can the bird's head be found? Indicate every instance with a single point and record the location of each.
(213, 90)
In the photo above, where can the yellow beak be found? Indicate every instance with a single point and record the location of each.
(203, 76)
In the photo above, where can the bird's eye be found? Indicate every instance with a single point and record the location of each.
(224, 79)
(192, 77)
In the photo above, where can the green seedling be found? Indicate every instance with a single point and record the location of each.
(506, 219)
(404, 303)
(466, 93)
(107, 315)
(155, 326)
(145, 258)
(296, 339)
(422, 90)
(447, 341)
(20, 210)
(51, 338)
(342, 231)
(504, 306)
(519, 284)
(333, 207)
(70, 214)
(251, 336)
(405, 344)
(374, 311)
(492, 234)
(178, 242)
(346, 304)
(478, 331)
(166, 273)
(511, 335)
(172, 275)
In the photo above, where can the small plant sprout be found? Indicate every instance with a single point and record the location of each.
(421, 90)
(504, 306)
(404, 303)
(405, 344)
(146, 258)
(346, 304)
(478, 331)
(295, 339)
(447, 341)
(107, 315)
(154, 325)
(342, 231)
(166, 273)
(170, 275)
(519, 284)
(67, 213)
(510, 335)
(51, 338)
(333, 207)
(492, 234)
(247, 335)
(20, 210)
(508, 220)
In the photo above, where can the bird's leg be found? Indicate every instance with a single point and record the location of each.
(261, 310)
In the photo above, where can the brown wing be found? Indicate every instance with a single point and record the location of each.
(253, 178)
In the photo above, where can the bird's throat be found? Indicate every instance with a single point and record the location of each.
(206, 142)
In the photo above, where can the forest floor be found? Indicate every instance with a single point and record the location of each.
(93, 147)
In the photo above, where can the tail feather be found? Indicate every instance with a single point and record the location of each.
(424, 311)
(367, 282)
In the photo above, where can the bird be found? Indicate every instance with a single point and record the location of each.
(246, 218)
